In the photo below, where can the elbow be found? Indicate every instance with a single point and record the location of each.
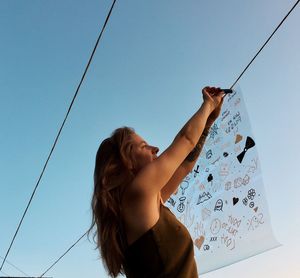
(191, 141)
(189, 135)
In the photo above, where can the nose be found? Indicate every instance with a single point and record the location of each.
(155, 150)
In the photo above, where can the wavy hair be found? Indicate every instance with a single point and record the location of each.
(111, 175)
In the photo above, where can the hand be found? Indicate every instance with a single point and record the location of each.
(213, 96)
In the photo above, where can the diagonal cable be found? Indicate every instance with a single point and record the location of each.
(265, 43)
(63, 254)
(77, 90)
(5, 273)
(15, 267)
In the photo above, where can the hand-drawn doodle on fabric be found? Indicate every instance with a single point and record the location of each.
(249, 144)
(184, 185)
(219, 205)
(213, 131)
(181, 205)
(222, 202)
(203, 197)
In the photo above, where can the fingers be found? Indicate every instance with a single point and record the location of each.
(212, 91)
(206, 93)
(206, 90)
(213, 94)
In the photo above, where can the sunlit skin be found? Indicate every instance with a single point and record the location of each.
(142, 151)
(142, 199)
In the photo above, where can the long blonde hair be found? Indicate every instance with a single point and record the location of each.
(111, 175)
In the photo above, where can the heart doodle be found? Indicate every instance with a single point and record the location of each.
(238, 138)
(235, 200)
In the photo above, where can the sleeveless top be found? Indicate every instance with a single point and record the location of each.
(165, 251)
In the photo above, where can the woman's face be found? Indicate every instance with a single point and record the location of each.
(142, 152)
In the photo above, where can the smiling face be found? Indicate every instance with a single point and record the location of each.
(142, 152)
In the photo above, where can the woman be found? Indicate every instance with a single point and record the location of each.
(136, 234)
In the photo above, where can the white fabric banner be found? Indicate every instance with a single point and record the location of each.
(222, 201)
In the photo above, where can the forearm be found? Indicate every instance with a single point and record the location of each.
(185, 168)
(194, 154)
(194, 127)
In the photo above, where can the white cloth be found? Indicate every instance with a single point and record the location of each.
(223, 198)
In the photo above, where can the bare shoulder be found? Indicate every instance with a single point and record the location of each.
(139, 213)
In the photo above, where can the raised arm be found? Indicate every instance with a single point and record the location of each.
(188, 164)
(153, 177)
(184, 169)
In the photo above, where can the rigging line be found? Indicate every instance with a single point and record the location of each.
(5, 273)
(64, 254)
(88, 64)
(15, 267)
(265, 43)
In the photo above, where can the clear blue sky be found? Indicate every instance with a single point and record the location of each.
(154, 58)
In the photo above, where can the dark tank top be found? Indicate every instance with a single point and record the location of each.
(164, 251)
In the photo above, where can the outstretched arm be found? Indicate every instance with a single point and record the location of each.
(188, 164)
(185, 168)
(150, 180)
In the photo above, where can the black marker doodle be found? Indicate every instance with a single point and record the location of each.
(230, 96)
(233, 122)
(249, 144)
(245, 201)
(196, 171)
(206, 247)
(213, 163)
(213, 131)
(209, 154)
(184, 185)
(213, 239)
(210, 178)
(225, 114)
(251, 205)
(171, 201)
(181, 206)
(235, 200)
(225, 154)
(219, 205)
(251, 194)
(203, 197)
